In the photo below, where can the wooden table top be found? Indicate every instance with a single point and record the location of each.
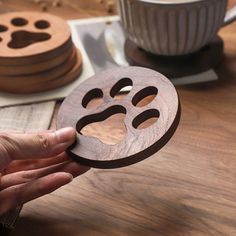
(188, 188)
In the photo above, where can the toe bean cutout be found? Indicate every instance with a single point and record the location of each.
(18, 21)
(144, 96)
(119, 86)
(146, 119)
(42, 24)
(3, 28)
(92, 98)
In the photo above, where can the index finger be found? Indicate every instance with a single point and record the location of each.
(31, 146)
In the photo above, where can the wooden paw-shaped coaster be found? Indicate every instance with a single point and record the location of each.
(37, 53)
(32, 37)
(137, 144)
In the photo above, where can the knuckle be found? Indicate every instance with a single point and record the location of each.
(7, 144)
(5, 139)
(42, 140)
(46, 143)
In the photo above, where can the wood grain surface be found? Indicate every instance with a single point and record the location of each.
(44, 81)
(187, 189)
(48, 80)
(29, 34)
(33, 68)
(138, 143)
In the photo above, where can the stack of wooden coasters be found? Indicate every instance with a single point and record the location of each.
(37, 53)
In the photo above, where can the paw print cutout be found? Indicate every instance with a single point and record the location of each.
(37, 53)
(32, 37)
(138, 143)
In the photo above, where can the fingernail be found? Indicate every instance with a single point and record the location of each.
(65, 135)
(71, 177)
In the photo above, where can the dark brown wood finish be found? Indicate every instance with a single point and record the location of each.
(177, 66)
(188, 190)
(137, 144)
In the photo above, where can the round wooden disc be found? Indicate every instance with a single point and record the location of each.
(32, 37)
(137, 144)
(18, 70)
(177, 66)
(45, 83)
(45, 76)
(63, 80)
(30, 60)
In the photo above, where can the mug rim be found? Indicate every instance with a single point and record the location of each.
(169, 2)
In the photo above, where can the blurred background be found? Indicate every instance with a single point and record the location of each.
(69, 9)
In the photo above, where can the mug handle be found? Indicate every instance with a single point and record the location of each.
(230, 16)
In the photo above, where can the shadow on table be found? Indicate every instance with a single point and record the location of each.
(227, 76)
(170, 219)
(167, 223)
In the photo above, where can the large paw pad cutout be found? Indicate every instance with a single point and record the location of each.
(22, 38)
(139, 142)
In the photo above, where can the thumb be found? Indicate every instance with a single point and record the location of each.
(39, 145)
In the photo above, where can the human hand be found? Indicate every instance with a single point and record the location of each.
(32, 165)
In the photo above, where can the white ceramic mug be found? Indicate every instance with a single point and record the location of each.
(173, 27)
